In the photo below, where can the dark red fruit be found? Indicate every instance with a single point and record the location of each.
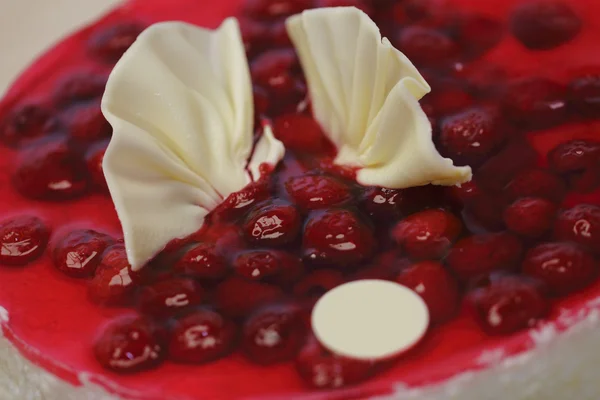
(479, 33)
(257, 264)
(300, 133)
(273, 225)
(79, 87)
(255, 35)
(481, 254)
(426, 46)
(278, 35)
(273, 334)
(321, 369)
(86, 122)
(51, 172)
(580, 224)
(261, 101)
(470, 136)
(435, 285)
(238, 203)
(272, 9)
(312, 192)
(579, 161)
(318, 283)
(584, 93)
(508, 305)
(384, 204)
(427, 234)
(536, 103)
(110, 43)
(22, 240)
(94, 159)
(544, 24)
(530, 216)
(203, 262)
(130, 344)
(448, 100)
(238, 296)
(201, 336)
(338, 238)
(114, 281)
(167, 297)
(272, 70)
(537, 183)
(563, 267)
(465, 193)
(79, 253)
(24, 123)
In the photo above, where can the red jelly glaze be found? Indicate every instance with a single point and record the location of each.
(64, 330)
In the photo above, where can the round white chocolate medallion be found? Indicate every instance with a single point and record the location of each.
(370, 319)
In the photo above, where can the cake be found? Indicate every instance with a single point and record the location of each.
(506, 262)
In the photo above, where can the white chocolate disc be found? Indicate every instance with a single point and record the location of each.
(370, 319)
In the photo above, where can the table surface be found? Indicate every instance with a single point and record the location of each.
(28, 27)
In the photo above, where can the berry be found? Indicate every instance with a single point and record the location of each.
(110, 43)
(202, 262)
(257, 264)
(426, 46)
(317, 283)
(261, 101)
(337, 237)
(478, 34)
(272, 70)
(130, 344)
(544, 24)
(255, 35)
(321, 369)
(273, 225)
(279, 36)
(579, 161)
(300, 133)
(79, 253)
(435, 285)
(166, 297)
(448, 100)
(563, 267)
(24, 123)
(94, 159)
(470, 136)
(114, 281)
(465, 193)
(535, 103)
(537, 183)
(273, 334)
(427, 234)
(312, 192)
(22, 240)
(530, 216)
(580, 224)
(51, 172)
(481, 254)
(86, 122)
(584, 92)
(201, 336)
(238, 203)
(384, 204)
(508, 305)
(238, 297)
(79, 87)
(273, 9)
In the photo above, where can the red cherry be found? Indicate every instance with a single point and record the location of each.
(201, 336)
(544, 24)
(237, 204)
(51, 172)
(167, 297)
(273, 334)
(130, 344)
(114, 281)
(79, 87)
(321, 369)
(448, 100)
(79, 253)
(579, 161)
(481, 254)
(580, 224)
(563, 267)
(24, 123)
(203, 262)
(238, 297)
(478, 34)
(86, 123)
(537, 183)
(435, 285)
(530, 216)
(471, 135)
(384, 204)
(261, 101)
(584, 92)
(255, 35)
(508, 305)
(536, 103)
(22, 240)
(273, 225)
(110, 43)
(317, 191)
(427, 234)
(338, 238)
(272, 9)
(318, 283)
(272, 71)
(94, 159)
(300, 133)
(278, 35)
(426, 46)
(465, 193)
(257, 264)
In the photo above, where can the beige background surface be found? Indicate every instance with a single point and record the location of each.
(28, 27)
